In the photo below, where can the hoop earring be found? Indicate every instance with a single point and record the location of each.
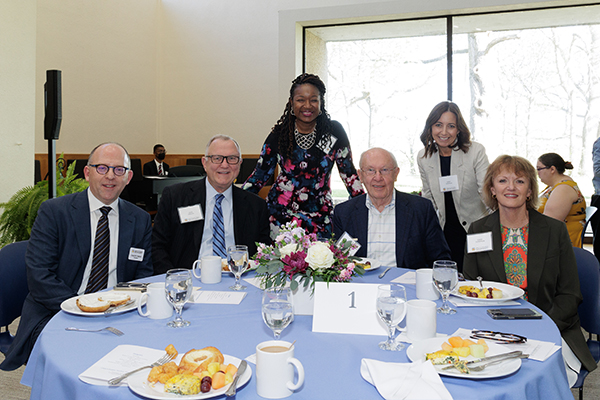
(494, 196)
(292, 112)
(528, 198)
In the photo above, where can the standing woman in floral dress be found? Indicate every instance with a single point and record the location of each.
(306, 143)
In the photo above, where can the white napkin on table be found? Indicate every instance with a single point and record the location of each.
(410, 381)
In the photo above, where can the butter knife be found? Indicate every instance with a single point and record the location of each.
(497, 357)
(231, 391)
(381, 275)
(110, 310)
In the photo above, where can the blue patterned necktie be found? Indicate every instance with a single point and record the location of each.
(218, 228)
(99, 274)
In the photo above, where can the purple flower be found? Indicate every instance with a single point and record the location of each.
(295, 263)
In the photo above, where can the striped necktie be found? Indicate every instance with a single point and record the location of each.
(218, 228)
(99, 274)
(160, 169)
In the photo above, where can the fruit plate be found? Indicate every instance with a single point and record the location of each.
(509, 292)
(417, 351)
(138, 383)
(375, 264)
(70, 305)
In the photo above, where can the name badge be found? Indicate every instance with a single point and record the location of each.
(190, 213)
(478, 242)
(136, 254)
(448, 183)
(326, 147)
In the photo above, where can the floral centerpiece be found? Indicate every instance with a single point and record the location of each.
(303, 259)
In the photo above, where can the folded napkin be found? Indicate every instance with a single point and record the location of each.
(409, 278)
(411, 381)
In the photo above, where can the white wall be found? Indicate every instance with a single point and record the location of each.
(17, 94)
(179, 71)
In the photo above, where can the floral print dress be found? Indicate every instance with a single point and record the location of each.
(302, 188)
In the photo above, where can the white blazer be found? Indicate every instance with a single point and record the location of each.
(470, 169)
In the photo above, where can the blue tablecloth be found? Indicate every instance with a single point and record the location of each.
(331, 361)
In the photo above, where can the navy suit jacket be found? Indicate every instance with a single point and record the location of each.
(58, 251)
(419, 237)
(176, 245)
(151, 170)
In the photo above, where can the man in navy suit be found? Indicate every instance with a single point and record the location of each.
(183, 226)
(396, 228)
(60, 252)
(157, 166)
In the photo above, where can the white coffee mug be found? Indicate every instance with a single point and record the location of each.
(425, 287)
(421, 319)
(210, 269)
(157, 305)
(275, 364)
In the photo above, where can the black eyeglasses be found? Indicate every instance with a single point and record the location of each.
(219, 159)
(102, 169)
(498, 337)
(539, 169)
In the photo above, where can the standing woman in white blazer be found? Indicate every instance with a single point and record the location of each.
(452, 170)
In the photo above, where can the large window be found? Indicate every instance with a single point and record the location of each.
(527, 83)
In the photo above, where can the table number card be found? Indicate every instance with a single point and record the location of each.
(347, 308)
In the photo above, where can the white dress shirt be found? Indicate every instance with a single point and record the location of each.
(206, 248)
(381, 233)
(113, 226)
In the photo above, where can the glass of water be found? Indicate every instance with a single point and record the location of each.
(237, 259)
(391, 308)
(178, 287)
(277, 311)
(445, 278)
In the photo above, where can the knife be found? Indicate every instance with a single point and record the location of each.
(231, 391)
(110, 310)
(381, 275)
(497, 357)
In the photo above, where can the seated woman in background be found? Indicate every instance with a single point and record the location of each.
(562, 199)
(531, 251)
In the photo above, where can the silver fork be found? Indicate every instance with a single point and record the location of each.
(108, 328)
(163, 360)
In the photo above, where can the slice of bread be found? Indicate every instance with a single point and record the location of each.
(92, 304)
(115, 298)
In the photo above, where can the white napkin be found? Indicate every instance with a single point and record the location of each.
(411, 381)
(409, 278)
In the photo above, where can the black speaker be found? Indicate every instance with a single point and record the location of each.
(52, 104)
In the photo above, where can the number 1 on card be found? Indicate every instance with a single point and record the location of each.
(352, 296)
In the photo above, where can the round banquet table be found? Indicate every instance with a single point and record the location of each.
(331, 361)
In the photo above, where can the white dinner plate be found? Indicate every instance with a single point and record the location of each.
(509, 292)
(139, 384)
(417, 351)
(70, 305)
(375, 264)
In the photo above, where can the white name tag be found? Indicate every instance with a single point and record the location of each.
(190, 213)
(478, 242)
(326, 147)
(448, 183)
(136, 254)
(347, 308)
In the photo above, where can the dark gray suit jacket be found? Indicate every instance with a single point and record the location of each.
(419, 237)
(552, 280)
(176, 245)
(58, 251)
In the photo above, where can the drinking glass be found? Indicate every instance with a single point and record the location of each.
(445, 278)
(277, 309)
(391, 308)
(178, 287)
(237, 259)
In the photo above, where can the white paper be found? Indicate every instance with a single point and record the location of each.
(347, 308)
(478, 242)
(121, 359)
(409, 278)
(218, 297)
(190, 213)
(448, 183)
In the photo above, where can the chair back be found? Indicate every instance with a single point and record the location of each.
(588, 269)
(589, 212)
(13, 285)
(187, 170)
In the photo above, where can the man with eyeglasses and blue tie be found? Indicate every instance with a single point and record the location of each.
(398, 229)
(206, 216)
(82, 243)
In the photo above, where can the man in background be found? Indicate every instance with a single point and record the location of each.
(157, 167)
(82, 243)
(204, 217)
(398, 229)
